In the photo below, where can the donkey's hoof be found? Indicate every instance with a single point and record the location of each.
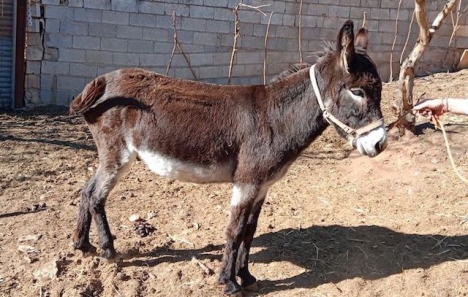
(251, 288)
(236, 294)
(233, 289)
(108, 254)
(86, 248)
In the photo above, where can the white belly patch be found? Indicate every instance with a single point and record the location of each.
(183, 171)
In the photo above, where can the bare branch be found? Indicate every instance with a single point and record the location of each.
(237, 32)
(300, 33)
(406, 77)
(394, 41)
(441, 16)
(255, 7)
(421, 18)
(265, 49)
(407, 38)
(177, 44)
(206, 269)
(236, 36)
(455, 23)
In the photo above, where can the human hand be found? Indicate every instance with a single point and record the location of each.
(431, 108)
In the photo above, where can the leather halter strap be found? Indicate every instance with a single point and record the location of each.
(352, 133)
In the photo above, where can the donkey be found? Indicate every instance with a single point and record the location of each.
(245, 135)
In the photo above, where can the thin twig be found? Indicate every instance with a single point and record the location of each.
(407, 37)
(186, 59)
(206, 269)
(441, 253)
(394, 41)
(237, 32)
(300, 33)
(455, 24)
(255, 7)
(316, 251)
(175, 238)
(364, 19)
(115, 289)
(367, 257)
(236, 36)
(358, 240)
(265, 49)
(177, 44)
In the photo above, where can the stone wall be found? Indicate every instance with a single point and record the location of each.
(69, 42)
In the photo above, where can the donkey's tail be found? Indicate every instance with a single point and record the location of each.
(89, 97)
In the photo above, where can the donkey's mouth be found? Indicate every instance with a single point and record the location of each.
(373, 143)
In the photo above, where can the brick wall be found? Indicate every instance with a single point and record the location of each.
(69, 42)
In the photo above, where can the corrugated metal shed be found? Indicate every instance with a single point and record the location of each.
(6, 52)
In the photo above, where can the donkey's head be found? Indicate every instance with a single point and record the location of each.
(351, 89)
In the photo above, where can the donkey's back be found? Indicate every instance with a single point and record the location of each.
(181, 129)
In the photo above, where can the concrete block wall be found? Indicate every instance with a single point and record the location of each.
(69, 42)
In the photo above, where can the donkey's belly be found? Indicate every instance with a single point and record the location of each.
(185, 171)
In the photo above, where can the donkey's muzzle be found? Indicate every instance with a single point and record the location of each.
(371, 143)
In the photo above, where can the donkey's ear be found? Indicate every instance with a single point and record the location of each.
(345, 44)
(361, 39)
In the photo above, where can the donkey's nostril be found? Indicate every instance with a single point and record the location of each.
(381, 145)
(378, 146)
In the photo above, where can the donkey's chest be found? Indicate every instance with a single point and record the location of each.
(186, 171)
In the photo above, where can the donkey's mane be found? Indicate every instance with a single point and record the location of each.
(328, 48)
(291, 70)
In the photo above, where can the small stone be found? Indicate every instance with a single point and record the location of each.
(150, 215)
(20, 177)
(31, 237)
(37, 207)
(134, 218)
(47, 272)
(27, 249)
(120, 276)
(30, 260)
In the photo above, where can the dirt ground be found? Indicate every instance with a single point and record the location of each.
(339, 224)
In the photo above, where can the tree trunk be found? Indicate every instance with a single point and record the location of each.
(404, 103)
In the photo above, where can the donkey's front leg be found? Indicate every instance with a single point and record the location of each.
(248, 281)
(243, 197)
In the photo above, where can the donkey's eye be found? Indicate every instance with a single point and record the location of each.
(357, 92)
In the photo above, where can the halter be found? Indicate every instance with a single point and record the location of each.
(352, 134)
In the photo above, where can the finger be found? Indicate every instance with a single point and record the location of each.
(425, 112)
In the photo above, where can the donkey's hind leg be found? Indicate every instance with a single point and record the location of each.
(248, 281)
(81, 235)
(108, 176)
(94, 200)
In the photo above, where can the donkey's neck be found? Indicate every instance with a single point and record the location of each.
(294, 113)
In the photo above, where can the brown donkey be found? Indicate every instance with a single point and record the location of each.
(206, 133)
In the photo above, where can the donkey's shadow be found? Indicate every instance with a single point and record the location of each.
(332, 253)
